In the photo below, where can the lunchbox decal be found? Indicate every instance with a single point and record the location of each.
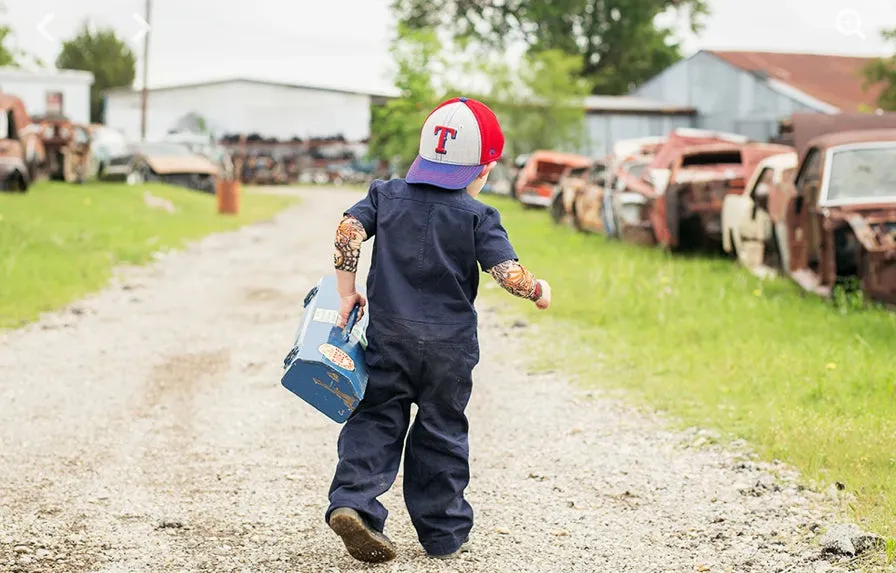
(337, 357)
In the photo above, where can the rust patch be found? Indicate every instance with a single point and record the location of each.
(349, 401)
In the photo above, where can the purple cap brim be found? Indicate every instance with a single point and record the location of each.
(442, 174)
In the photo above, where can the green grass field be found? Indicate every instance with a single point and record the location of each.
(60, 241)
(805, 381)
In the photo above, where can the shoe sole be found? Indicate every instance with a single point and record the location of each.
(361, 542)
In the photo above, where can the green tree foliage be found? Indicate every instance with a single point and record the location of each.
(10, 56)
(883, 71)
(395, 126)
(7, 54)
(619, 41)
(539, 103)
(101, 52)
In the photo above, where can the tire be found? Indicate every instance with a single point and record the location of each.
(558, 212)
(17, 183)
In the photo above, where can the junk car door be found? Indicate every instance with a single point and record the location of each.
(802, 220)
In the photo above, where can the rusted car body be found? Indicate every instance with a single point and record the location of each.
(627, 162)
(67, 146)
(747, 229)
(537, 181)
(171, 163)
(688, 215)
(20, 150)
(264, 170)
(837, 220)
(635, 192)
(573, 185)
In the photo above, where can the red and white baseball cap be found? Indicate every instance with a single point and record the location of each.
(458, 140)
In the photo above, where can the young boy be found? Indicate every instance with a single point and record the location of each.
(431, 233)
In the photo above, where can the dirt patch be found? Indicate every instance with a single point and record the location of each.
(179, 374)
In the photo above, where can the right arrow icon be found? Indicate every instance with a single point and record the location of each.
(144, 27)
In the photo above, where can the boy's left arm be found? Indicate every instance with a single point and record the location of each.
(498, 258)
(358, 224)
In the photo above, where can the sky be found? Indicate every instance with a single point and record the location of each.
(344, 43)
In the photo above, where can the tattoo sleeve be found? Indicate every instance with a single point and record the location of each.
(516, 280)
(349, 236)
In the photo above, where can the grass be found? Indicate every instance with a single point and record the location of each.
(60, 241)
(805, 381)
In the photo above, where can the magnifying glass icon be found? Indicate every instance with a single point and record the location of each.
(849, 23)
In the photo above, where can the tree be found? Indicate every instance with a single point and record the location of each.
(11, 56)
(883, 71)
(540, 104)
(619, 41)
(395, 126)
(109, 58)
(7, 54)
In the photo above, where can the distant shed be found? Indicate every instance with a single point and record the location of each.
(609, 119)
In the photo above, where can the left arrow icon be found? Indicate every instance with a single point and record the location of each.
(42, 27)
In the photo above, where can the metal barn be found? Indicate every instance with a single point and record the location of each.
(750, 92)
(609, 119)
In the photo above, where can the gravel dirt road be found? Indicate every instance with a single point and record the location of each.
(144, 429)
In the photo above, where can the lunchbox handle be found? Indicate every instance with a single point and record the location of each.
(350, 323)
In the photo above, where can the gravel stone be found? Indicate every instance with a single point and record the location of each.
(133, 413)
(837, 540)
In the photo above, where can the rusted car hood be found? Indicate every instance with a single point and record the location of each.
(181, 164)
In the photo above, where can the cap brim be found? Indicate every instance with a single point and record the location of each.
(442, 174)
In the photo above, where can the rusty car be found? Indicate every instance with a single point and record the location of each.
(629, 202)
(687, 216)
(536, 182)
(67, 147)
(21, 151)
(838, 216)
(593, 210)
(747, 230)
(170, 163)
(572, 185)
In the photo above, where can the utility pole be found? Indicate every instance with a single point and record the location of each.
(145, 95)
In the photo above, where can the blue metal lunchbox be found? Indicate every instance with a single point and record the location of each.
(326, 364)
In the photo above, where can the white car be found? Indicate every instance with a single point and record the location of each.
(747, 229)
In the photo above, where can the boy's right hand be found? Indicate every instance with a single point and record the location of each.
(545, 301)
(347, 303)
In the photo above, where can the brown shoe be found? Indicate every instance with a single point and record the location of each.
(362, 541)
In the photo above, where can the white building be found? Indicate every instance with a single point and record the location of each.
(50, 91)
(245, 106)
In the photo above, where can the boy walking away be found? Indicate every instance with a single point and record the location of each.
(431, 234)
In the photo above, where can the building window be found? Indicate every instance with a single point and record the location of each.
(54, 103)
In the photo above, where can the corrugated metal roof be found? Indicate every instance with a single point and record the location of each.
(260, 81)
(836, 80)
(633, 104)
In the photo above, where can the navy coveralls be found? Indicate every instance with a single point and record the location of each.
(422, 347)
